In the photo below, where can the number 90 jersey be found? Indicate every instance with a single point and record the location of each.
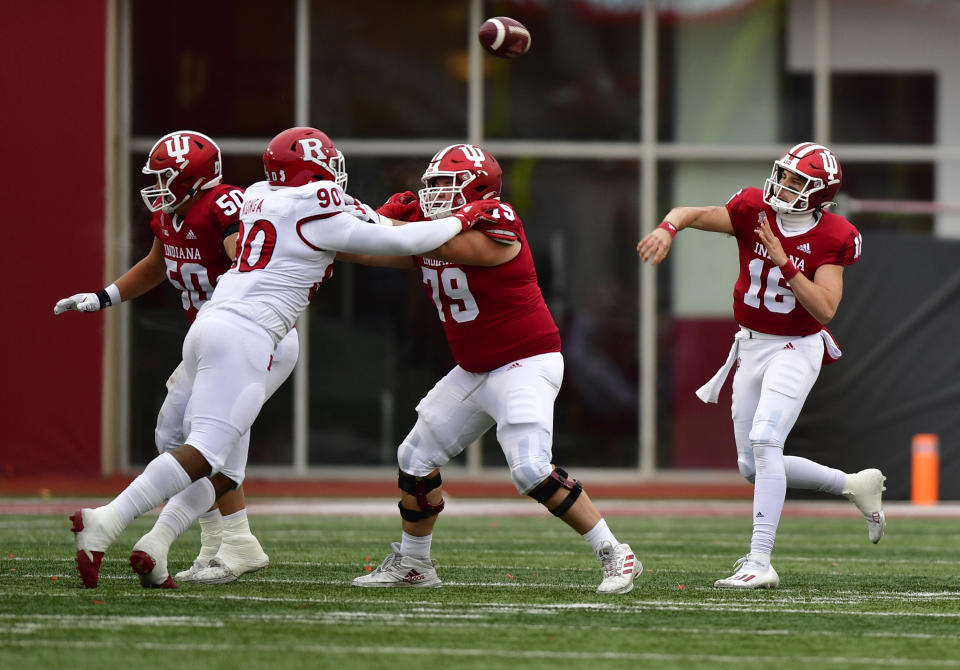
(762, 298)
(492, 315)
(193, 246)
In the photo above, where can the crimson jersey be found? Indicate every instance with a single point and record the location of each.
(492, 315)
(762, 299)
(193, 245)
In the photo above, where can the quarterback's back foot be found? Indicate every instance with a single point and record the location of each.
(865, 490)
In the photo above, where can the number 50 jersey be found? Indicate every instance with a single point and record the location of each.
(193, 244)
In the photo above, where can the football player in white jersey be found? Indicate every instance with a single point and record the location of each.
(792, 255)
(292, 226)
(195, 218)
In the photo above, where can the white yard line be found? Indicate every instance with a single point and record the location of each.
(819, 661)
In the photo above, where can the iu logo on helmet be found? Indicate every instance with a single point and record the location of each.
(178, 146)
(830, 165)
(313, 150)
(472, 153)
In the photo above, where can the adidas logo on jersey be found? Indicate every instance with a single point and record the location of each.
(805, 247)
(191, 235)
(789, 345)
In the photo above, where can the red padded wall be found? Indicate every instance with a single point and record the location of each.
(53, 175)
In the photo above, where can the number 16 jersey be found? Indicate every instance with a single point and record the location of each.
(762, 298)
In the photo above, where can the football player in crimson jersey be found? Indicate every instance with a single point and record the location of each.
(291, 227)
(508, 373)
(195, 219)
(792, 256)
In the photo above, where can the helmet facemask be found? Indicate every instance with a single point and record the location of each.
(437, 200)
(774, 189)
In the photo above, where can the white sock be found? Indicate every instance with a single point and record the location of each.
(210, 533)
(236, 524)
(598, 535)
(161, 534)
(769, 491)
(162, 478)
(184, 508)
(416, 547)
(803, 473)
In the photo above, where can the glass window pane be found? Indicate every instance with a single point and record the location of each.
(221, 67)
(725, 77)
(874, 196)
(579, 81)
(385, 69)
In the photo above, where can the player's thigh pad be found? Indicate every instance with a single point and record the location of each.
(448, 419)
(170, 432)
(788, 377)
(284, 360)
(231, 356)
(520, 396)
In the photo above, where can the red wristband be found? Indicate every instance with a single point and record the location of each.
(670, 228)
(789, 270)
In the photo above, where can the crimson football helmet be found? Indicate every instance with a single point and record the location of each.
(474, 175)
(183, 163)
(815, 163)
(300, 155)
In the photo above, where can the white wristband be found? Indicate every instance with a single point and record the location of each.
(114, 293)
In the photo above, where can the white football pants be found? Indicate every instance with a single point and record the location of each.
(774, 376)
(171, 430)
(226, 361)
(517, 398)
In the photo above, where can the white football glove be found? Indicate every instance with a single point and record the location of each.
(89, 302)
(82, 302)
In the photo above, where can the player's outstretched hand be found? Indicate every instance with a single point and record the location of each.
(478, 210)
(402, 207)
(82, 302)
(655, 246)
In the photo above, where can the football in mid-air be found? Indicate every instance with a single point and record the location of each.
(504, 37)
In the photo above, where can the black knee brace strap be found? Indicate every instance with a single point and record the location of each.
(556, 481)
(419, 487)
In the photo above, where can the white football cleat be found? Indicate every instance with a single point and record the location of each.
(402, 571)
(752, 571)
(620, 568)
(149, 560)
(94, 531)
(190, 573)
(865, 490)
(238, 555)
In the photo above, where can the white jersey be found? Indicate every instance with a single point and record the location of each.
(289, 238)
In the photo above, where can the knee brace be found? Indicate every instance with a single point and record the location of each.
(419, 487)
(557, 479)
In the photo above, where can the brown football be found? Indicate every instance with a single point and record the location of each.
(504, 37)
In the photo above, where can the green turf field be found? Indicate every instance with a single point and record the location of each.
(516, 590)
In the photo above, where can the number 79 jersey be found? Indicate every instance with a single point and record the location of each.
(193, 245)
(495, 315)
(762, 298)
